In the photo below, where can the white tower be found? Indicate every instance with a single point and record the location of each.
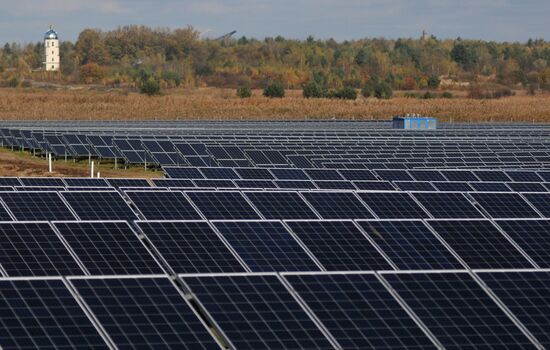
(51, 47)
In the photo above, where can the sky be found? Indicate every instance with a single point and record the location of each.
(25, 21)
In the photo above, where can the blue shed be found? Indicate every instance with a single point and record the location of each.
(414, 123)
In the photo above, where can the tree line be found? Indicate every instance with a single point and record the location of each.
(134, 56)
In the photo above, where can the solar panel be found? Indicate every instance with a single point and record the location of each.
(223, 205)
(452, 186)
(323, 174)
(339, 245)
(526, 187)
(183, 173)
(448, 205)
(86, 182)
(281, 205)
(163, 205)
(414, 185)
(99, 205)
(426, 175)
(170, 183)
(214, 183)
(337, 205)
(359, 311)
(128, 183)
(410, 245)
(541, 201)
(254, 184)
(459, 175)
(394, 175)
(34, 249)
(491, 175)
(144, 313)
(357, 174)
(289, 174)
(266, 246)
(108, 248)
(525, 293)
(374, 185)
(42, 181)
(10, 181)
(190, 246)
(458, 312)
(532, 236)
(480, 244)
(219, 173)
(44, 314)
(257, 312)
(36, 206)
(254, 174)
(524, 176)
(335, 185)
(294, 184)
(489, 187)
(505, 205)
(393, 205)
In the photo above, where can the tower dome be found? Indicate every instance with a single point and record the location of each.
(51, 35)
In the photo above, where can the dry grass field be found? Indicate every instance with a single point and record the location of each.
(222, 104)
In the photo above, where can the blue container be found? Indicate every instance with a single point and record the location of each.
(414, 123)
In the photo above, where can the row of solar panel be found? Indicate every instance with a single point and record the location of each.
(54, 184)
(218, 173)
(277, 205)
(114, 248)
(389, 310)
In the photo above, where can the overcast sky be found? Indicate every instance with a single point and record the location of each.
(502, 20)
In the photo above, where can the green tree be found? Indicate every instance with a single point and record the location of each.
(433, 82)
(244, 91)
(150, 86)
(274, 90)
(313, 90)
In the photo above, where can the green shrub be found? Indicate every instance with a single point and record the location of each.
(345, 93)
(150, 87)
(447, 94)
(433, 82)
(428, 95)
(171, 76)
(274, 90)
(313, 90)
(410, 95)
(383, 90)
(244, 91)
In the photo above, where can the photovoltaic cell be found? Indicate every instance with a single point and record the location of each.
(489, 187)
(289, 174)
(524, 176)
(337, 205)
(458, 311)
(43, 314)
(223, 205)
(410, 245)
(257, 312)
(426, 175)
(393, 205)
(526, 187)
(526, 294)
(414, 186)
(266, 246)
(532, 236)
(33, 249)
(108, 248)
(480, 244)
(505, 205)
(460, 175)
(128, 183)
(541, 201)
(36, 206)
(97, 205)
(190, 247)
(374, 185)
(491, 175)
(452, 186)
(163, 205)
(359, 311)
(445, 205)
(339, 245)
(281, 205)
(254, 174)
(144, 313)
(219, 173)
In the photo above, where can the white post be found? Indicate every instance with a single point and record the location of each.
(92, 170)
(98, 174)
(50, 162)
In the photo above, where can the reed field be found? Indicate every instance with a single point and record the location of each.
(223, 104)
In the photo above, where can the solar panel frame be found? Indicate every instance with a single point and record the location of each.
(103, 250)
(297, 208)
(58, 320)
(246, 210)
(51, 206)
(448, 205)
(460, 312)
(163, 205)
(508, 205)
(403, 206)
(480, 244)
(348, 303)
(540, 201)
(191, 254)
(149, 314)
(86, 209)
(284, 310)
(266, 245)
(337, 205)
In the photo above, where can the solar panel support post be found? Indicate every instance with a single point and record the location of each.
(92, 170)
(49, 162)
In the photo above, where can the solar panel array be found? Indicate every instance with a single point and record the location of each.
(336, 235)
